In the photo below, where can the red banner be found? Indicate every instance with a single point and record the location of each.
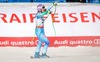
(54, 41)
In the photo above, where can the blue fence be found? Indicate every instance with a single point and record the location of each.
(20, 0)
(30, 0)
(16, 0)
(87, 1)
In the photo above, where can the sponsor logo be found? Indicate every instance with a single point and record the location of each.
(97, 41)
(54, 41)
(84, 17)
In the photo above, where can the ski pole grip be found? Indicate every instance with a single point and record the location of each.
(55, 3)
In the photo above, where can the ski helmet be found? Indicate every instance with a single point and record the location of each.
(39, 7)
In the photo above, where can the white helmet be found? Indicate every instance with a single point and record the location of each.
(39, 7)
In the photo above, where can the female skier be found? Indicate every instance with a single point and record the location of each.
(39, 30)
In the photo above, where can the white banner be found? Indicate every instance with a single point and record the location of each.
(17, 20)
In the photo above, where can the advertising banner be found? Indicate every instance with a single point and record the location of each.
(68, 25)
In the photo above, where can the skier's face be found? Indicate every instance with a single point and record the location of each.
(43, 9)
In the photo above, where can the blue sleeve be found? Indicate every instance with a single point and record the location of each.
(49, 8)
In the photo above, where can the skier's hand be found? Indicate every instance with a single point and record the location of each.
(49, 12)
(55, 3)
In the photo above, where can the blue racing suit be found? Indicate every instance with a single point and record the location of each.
(40, 33)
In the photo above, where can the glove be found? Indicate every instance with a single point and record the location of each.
(55, 4)
(49, 12)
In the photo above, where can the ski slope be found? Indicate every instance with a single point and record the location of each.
(57, 54)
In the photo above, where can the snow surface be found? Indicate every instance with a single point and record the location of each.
(57, 54)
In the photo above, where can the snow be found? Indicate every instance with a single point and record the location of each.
(57, 54)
